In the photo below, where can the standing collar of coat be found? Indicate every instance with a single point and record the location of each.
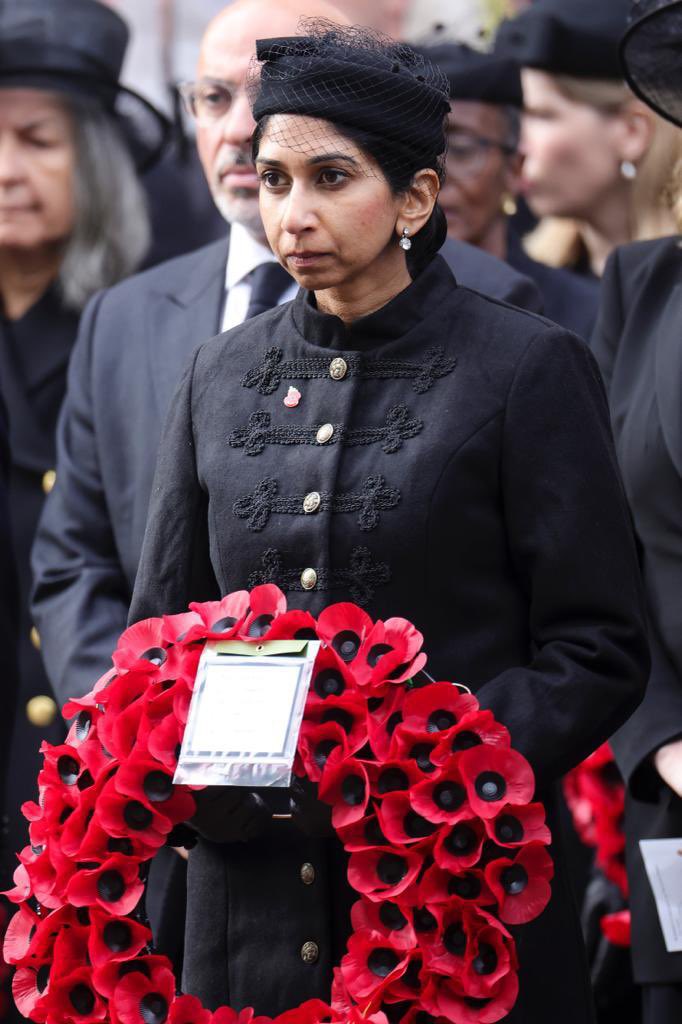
(404, 312)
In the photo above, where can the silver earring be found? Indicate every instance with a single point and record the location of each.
(628, 170)
(405, 242)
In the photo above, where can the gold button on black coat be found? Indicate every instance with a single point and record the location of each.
(311, 502)
(41, 711)
(307, 873)
(35, 637)
(324, 433)
(310, 951)
(308, 579)
(49, 480)
(338, 368)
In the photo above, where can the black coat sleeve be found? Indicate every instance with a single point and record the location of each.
(175, 565)
(573, 552)
(9, 611)
(80, 594)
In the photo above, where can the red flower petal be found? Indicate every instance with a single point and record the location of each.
(518, 826)
(383, 873)
(345, 786)
(618, 928)
(495, 776)
(521, 886)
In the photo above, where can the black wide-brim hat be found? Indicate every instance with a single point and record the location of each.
(77, 47)
(651, 52)
(567, 37)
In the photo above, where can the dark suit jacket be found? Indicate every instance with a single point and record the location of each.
(9, 619)
(134, 341)
(638, 343)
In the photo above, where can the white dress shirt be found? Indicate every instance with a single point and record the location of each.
(245, 254)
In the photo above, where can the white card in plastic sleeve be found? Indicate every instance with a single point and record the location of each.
(246, 712)
(663, 863)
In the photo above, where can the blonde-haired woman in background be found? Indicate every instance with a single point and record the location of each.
(598, 162)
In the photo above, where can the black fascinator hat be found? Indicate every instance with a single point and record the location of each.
(651, 52)
(77, 47)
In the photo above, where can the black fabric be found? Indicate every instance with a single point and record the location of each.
(661, 1004)
(351, 79)
(578, 38)
(9, 627)
(268, 283)
(520, 568)
(475, 75)
(650, 52)
(637, 344)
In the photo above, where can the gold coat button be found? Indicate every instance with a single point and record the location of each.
(49, 480)
(41, 711)
(325, 433)
(307, 873)
(35, 637)
(311, 502)
(338, 368)
(310, 951)
(308, 579)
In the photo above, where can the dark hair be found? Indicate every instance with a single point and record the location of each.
(399, 165)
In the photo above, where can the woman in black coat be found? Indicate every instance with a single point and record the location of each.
(439, 456)
(637, 343)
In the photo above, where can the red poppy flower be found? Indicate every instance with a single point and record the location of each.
(517, 826)
(495, 776)
(316, 743)
(450, 949)
(408, 744)
(372, 962)
(345, 786)
(345, 628)
(108, 975)
(188, 1010)
(48, 872)
(437, 708)
(390, 654)
(442, 797)
(165, 740)
(400, 823)
(521, 886)
(122, 816)
(313, 1011)
(143, 779)
(22, 886)
(61, 765)
(331, 677)
(220, 620)
(459, 846)
(31, 991)
(385, 715)
(393, 777)
(226, 1015)
(356, 1015)
(115, 938)
(460, 1008)
(141, 647)
(363, 834)
(468, 887)
(409, 984)
(349, 711)
(73, 998)
(474, 729)
(387, 918)
(114, 885)
(84, 727)
(492, 957)
(145, 995)
(266, 603)
(298, 624)
(90, 701)
(617, 928)
(19, 933)
(383, 873)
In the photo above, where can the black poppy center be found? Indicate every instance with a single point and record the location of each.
(509, 829)
(136, 815)
(223, 625)
(424, 921)
(157, 786)
(449, 796)
(353, 790)
(85, 780)
(156, 655)
(346, 644)
(110, 886)
(153, 1008)
(373, 833)
(490, 786)
(374, 703)
(382, 961)
(440, 720)
(83, 723)
(392, 722)
(486, 961)
(260, 625)
(417, 827)
(391, 916)
(461, 841)
(392, 780)
(322, 752)
(421, 753)
(122, 845)
(341, 717)
(455, 940)
(117, 936)
(514, 880)
(391, 868)
(82, 999)
(465, 740)
(467, 887)
(68, 769)
(411, 975)
(376, 654)
(329, 683)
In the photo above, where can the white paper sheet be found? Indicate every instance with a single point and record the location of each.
(663, 863)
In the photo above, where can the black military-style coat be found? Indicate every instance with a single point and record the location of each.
(638, 345)
(462, 454)
(34, 355)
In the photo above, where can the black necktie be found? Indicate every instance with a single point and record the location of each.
(268, 282)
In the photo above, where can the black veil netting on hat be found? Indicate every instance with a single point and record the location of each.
(651, 52)
(357, 82)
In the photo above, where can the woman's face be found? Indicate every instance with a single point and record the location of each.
(572, 158)
(328, 212)
(37, 160)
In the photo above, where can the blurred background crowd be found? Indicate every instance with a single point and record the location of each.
(111, 166)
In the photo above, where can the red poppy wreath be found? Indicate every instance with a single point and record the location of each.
(446, 848)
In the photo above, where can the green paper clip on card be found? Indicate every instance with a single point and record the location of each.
(246, 712)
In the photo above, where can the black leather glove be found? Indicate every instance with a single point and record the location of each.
(229, 814)
(309, 813)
